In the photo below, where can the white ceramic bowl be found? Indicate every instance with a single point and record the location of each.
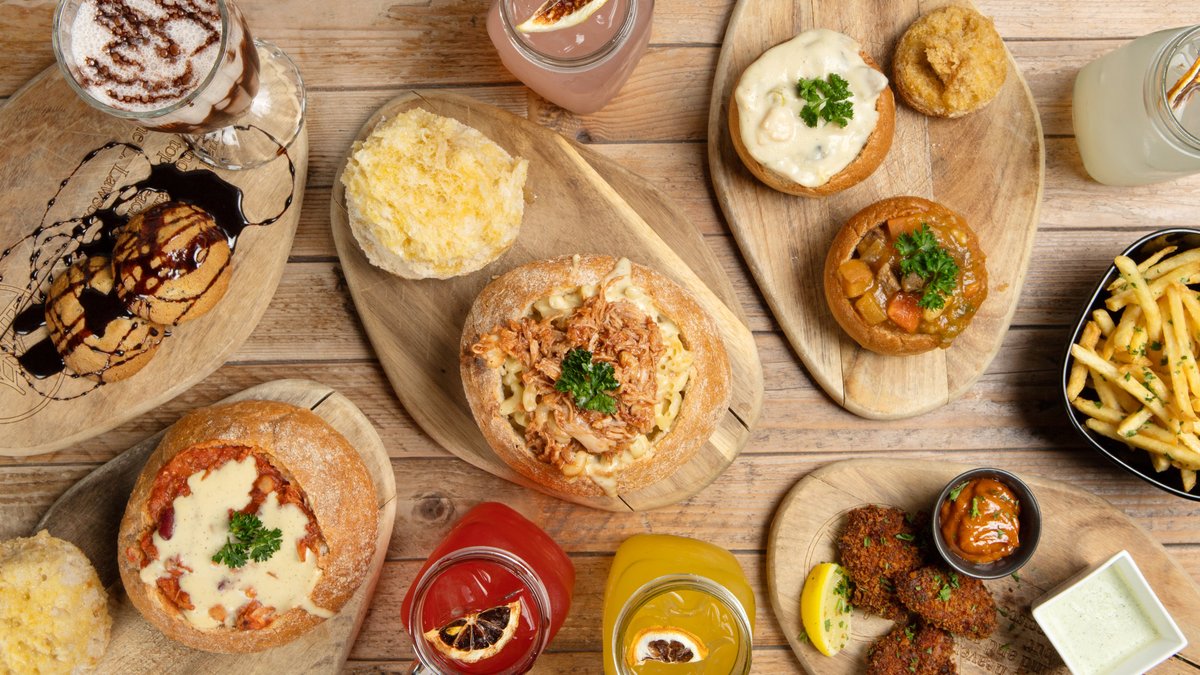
(1089, 583)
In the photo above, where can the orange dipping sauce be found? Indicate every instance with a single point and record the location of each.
(980, 520)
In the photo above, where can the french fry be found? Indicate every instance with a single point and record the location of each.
(1104, 320)
(1123, 333)
(1186, 354)
(1142, 295)
(1189, 479)
(1097, 410)
(1079, 372)
(1187, 274)
(1130, 425)
(1160, 463)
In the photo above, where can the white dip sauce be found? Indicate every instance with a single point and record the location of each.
(1099, 623)
(769, 107)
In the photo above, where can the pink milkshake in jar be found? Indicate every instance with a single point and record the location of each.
(575, 53)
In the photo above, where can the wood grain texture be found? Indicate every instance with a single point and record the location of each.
(415, 326)
(38, 416)
(1079, 530)
(89, 515)
(997, 187)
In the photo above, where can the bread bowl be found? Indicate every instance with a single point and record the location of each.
(670, 366)
(950, 62)
(891, 306)
(791, 155)
(191, 557)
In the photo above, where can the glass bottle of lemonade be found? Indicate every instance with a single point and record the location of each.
(674, 606)
(578, 67)
(490, 598)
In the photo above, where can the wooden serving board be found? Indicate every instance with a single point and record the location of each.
(1079, 530)
(988, 166)
(581, 203)
(47, 131)
(89, 515)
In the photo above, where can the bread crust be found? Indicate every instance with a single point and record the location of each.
(512, 295)
(973, 46)
(869, 158)
(878, 338)
(309, 453)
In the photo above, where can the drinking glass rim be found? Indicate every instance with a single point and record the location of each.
(669, 582)
(145, 114)
(515, 563)
(570, 64)
(1161, 61)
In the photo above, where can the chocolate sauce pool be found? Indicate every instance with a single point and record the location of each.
(62, 243)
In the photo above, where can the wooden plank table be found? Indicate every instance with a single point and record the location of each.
(357, 55)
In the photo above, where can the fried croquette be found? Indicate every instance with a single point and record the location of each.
(950, 601)
(950, 62)
(919, 649)
(877, 547)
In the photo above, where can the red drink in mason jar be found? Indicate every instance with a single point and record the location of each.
(491, 596)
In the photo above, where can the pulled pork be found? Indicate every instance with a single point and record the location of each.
(616, 332)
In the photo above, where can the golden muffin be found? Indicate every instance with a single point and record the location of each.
(950, 62)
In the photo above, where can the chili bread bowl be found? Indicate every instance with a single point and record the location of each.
(233, 462)
(870, 238)
(864, 163)
(539, 324)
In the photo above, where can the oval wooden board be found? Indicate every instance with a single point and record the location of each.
(89, 514)
(47, 131)
(988, 166)
(580, 205)
(1079, 529)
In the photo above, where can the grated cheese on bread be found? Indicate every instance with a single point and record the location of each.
(53, 611)
(429, 196)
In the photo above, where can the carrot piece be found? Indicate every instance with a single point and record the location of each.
(903, 225)
(903, 311)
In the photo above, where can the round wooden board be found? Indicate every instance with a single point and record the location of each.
(47, 131)
(580, 206)
(988, 166)
(1079, 530)
(89, 514)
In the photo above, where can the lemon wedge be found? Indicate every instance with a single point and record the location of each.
(825, 608)
(559, 14)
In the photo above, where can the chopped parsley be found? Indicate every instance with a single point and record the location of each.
(827, 99)
(248, 540)
(957, 490)
(588, 382)
(904, 536)
(974, 507)
(867, 542)
(944, 594)
(925, 257)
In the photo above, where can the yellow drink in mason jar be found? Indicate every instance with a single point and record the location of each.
(676, 606)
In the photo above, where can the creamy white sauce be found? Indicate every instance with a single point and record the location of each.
(201, 528)
(769, 107)
(1100, 622)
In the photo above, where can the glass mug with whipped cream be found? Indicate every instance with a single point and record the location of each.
(183, 66)
(1136, 110)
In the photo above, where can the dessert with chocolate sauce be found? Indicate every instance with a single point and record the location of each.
(172, 65)
(172, 263)
(91, 328)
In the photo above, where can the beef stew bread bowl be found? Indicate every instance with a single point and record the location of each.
(250, 524)
(591, 375)
(905, 275)
(819, 138)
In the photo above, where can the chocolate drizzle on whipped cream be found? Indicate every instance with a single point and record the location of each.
(56, 245)
(145, 54)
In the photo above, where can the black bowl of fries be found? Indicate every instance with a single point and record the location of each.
(1131, 380)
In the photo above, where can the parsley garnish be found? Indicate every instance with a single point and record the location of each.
(904, 536)
(587, 381)
(944, 594)
(836, 108)
(957, 490)
(925, 257)
(249, 539)
(974, 507)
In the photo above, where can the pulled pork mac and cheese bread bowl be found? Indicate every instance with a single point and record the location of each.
(250, 524)
(813, 115)
(591, 375)
(905, 275)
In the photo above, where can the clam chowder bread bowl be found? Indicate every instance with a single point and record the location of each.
(251, 523)
(592, 375)
(905, 275)
(813, 115)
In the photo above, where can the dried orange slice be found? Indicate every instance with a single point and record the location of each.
(665, 644)
(559, 14)
(477, 636)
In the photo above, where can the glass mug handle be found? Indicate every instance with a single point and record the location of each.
(418, 668)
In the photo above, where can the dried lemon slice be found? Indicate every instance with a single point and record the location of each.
(665, 644)
(477, 636)
(559, 14)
